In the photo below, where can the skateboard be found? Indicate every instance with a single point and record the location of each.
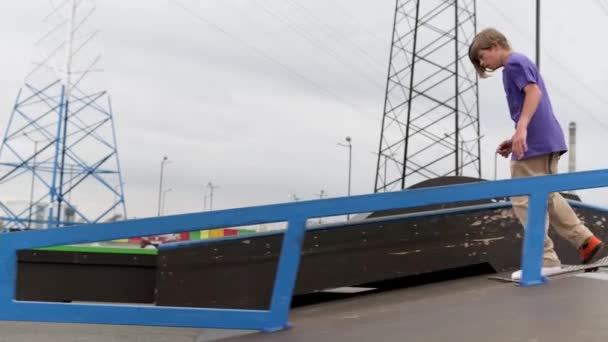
(566, 269)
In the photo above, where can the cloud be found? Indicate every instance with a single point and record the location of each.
(260, 111)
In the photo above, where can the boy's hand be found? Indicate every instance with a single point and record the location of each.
(519, 144)
(504, 149)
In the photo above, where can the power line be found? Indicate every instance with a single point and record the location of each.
(357, 21)
(577, 104)
(563, 69)
(375, 36)
(268, 57)
(315, 42)
(338, 36)
(603, 6)
(261, 53)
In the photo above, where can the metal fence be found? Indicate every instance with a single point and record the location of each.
(296, 214)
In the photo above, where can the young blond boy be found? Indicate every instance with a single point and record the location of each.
(537, 144)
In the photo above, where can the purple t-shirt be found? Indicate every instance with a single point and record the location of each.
(545, 135)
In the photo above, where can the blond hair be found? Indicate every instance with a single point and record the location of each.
(486, 40)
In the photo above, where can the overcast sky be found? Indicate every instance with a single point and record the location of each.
(254, 95)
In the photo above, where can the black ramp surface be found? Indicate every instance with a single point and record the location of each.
(567, 309)
(239, 272)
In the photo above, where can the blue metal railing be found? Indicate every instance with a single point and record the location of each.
(296, 214)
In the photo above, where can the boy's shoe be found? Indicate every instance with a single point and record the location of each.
(545, 271)
(592, 250)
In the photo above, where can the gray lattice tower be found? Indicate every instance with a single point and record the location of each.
(430, 126)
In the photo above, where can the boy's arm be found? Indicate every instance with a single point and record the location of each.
(531, 101)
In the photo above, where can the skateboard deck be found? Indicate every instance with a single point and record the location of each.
(566, 269)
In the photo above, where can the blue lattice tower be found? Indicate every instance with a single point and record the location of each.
(59, 160)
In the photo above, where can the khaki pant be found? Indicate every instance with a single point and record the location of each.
(560, 214)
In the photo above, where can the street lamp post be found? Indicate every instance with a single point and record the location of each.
(322, 194)
(160, 186)
(165, 199)
(211, 187)
(350, 157)
(538, 34)
(204, 198)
